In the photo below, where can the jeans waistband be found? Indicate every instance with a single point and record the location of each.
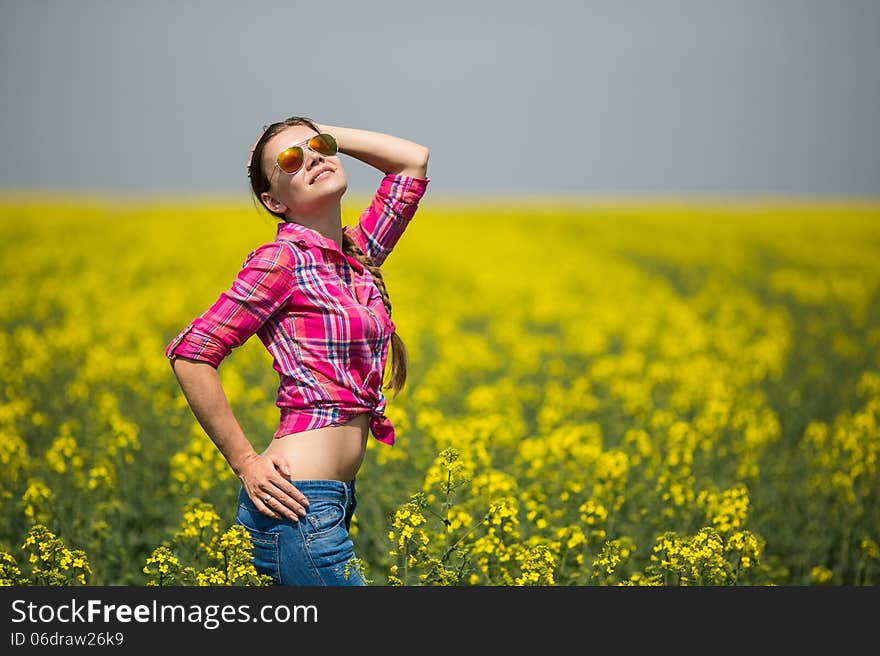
(325, 489)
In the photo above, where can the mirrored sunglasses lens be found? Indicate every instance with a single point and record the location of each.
(290, 160)
(324, 144)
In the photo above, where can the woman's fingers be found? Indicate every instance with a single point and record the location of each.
(265, 506)
(280, 464)
(290, 496)
(292, 499)
(278, 505)
(280, 496)
(275, 495)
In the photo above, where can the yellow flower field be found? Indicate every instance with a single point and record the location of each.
(598, 394)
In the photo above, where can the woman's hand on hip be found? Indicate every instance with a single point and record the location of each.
(264, 478)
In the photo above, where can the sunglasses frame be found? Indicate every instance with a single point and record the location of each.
(300, 146)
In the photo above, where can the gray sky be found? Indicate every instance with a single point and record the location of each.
(616, 97)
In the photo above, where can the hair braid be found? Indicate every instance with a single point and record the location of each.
(398, 370)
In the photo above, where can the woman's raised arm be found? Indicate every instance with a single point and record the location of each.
(385, 152)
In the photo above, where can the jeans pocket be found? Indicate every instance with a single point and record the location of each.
(324, 516)
(328, 545)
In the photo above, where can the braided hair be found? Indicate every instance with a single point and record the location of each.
(260, 183)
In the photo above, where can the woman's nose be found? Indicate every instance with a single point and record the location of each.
(313, 158)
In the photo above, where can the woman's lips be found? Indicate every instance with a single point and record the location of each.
(322, 174)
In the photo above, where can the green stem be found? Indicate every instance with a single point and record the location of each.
(446, 506)
(473, 527)
(406, 563)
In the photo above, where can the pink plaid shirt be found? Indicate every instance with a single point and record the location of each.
(318, 312)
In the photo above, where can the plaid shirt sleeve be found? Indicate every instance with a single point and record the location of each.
(261, 287)
(382, 223)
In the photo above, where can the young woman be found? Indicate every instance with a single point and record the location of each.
(316, 298)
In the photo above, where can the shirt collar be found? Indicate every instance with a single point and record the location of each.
(306, 237)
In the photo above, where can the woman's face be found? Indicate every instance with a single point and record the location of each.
(304, 189)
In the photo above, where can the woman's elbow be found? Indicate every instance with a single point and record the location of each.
(419, 167)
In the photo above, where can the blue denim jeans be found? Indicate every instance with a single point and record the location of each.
(317, 549)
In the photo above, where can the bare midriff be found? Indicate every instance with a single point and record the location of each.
(330, 452)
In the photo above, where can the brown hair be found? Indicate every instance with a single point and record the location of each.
(260, 184)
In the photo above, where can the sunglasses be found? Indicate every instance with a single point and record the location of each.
(290, 160)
